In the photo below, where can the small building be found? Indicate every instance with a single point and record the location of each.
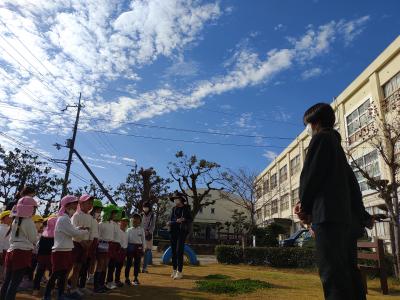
(210, 221)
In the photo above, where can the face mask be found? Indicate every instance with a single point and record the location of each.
(70, 211)
(309, 129)
(146, 209)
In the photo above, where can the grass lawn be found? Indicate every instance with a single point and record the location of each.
(285, 284)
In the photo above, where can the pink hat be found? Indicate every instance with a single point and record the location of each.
(66, 200)
(25, 207)
(51, 226)
(84, 198)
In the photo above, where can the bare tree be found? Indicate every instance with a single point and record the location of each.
(137, 189)
(240, 188)
(383, 135)
(192, 175)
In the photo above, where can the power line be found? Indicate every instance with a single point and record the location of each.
(175, 128)
(47, 158)
(29, 71)
(21, 55)
(194, 130)
(185, 141)
(175, 140)
(258, 118)
(27, 49)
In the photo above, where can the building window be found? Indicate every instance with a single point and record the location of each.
(201, 210)
(266, 186)
(258, 191)
(285, 202)
(274, 207)
(294, 165)
(259, 214)
(267, 209)
(274, 181)
(391, 91)
(212, 210)
(283, 174)
(370, 164)
(295, 196)
(358, 122)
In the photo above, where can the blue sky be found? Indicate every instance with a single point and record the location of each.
(239, 67)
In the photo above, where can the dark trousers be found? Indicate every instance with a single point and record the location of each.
(61, 278)
(118, 269)
(177, 246)
(83, 274)
(40, 270)
(111, 270)
(11, 283)
(136, 265)
(337, 262)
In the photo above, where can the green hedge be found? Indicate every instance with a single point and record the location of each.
(279, 257)
(272, 256)
(229, 254)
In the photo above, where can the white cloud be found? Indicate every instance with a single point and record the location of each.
(270, 155)
(351, 29)
(129, 159)
(279, 27)
(182, 68)
(313, 72)
(89, 45)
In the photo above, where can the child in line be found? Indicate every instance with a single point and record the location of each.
(115, 247)
(94, 237)
(23, 238)
(104, 248)
(45, 246)
(27, 282)
(5, 223)
(122, 252)
(81, 218)
(136, 244)
(62, 257)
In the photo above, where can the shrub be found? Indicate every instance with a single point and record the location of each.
(229, 254)
(231, 287)
(280, 257)
(272, 256)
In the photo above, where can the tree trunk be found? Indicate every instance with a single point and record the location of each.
(393, 246)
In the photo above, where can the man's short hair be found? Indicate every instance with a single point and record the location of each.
(320, 113)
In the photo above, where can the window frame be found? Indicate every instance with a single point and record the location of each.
(285, 174)
(368, 190)
(358, 106)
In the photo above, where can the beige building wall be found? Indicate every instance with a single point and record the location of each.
(370, 85)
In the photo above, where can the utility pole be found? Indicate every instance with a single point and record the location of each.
(70, 143)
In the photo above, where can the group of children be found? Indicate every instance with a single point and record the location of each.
(85, 242)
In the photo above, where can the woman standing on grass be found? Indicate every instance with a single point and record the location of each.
(148, 224)
(179, 225)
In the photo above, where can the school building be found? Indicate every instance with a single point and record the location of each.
(278, 184)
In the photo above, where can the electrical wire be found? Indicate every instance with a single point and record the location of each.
(43, 156)
(30, 52)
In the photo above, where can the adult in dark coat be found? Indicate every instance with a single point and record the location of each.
(179, 225)
(330, 198)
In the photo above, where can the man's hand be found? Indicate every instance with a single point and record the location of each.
(304, 218)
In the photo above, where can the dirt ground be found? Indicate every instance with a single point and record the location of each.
(286, 284)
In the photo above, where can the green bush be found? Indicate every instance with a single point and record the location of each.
(272, 256)
(232, 287)
(280, 257)
(268, 236)
(229, 254)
